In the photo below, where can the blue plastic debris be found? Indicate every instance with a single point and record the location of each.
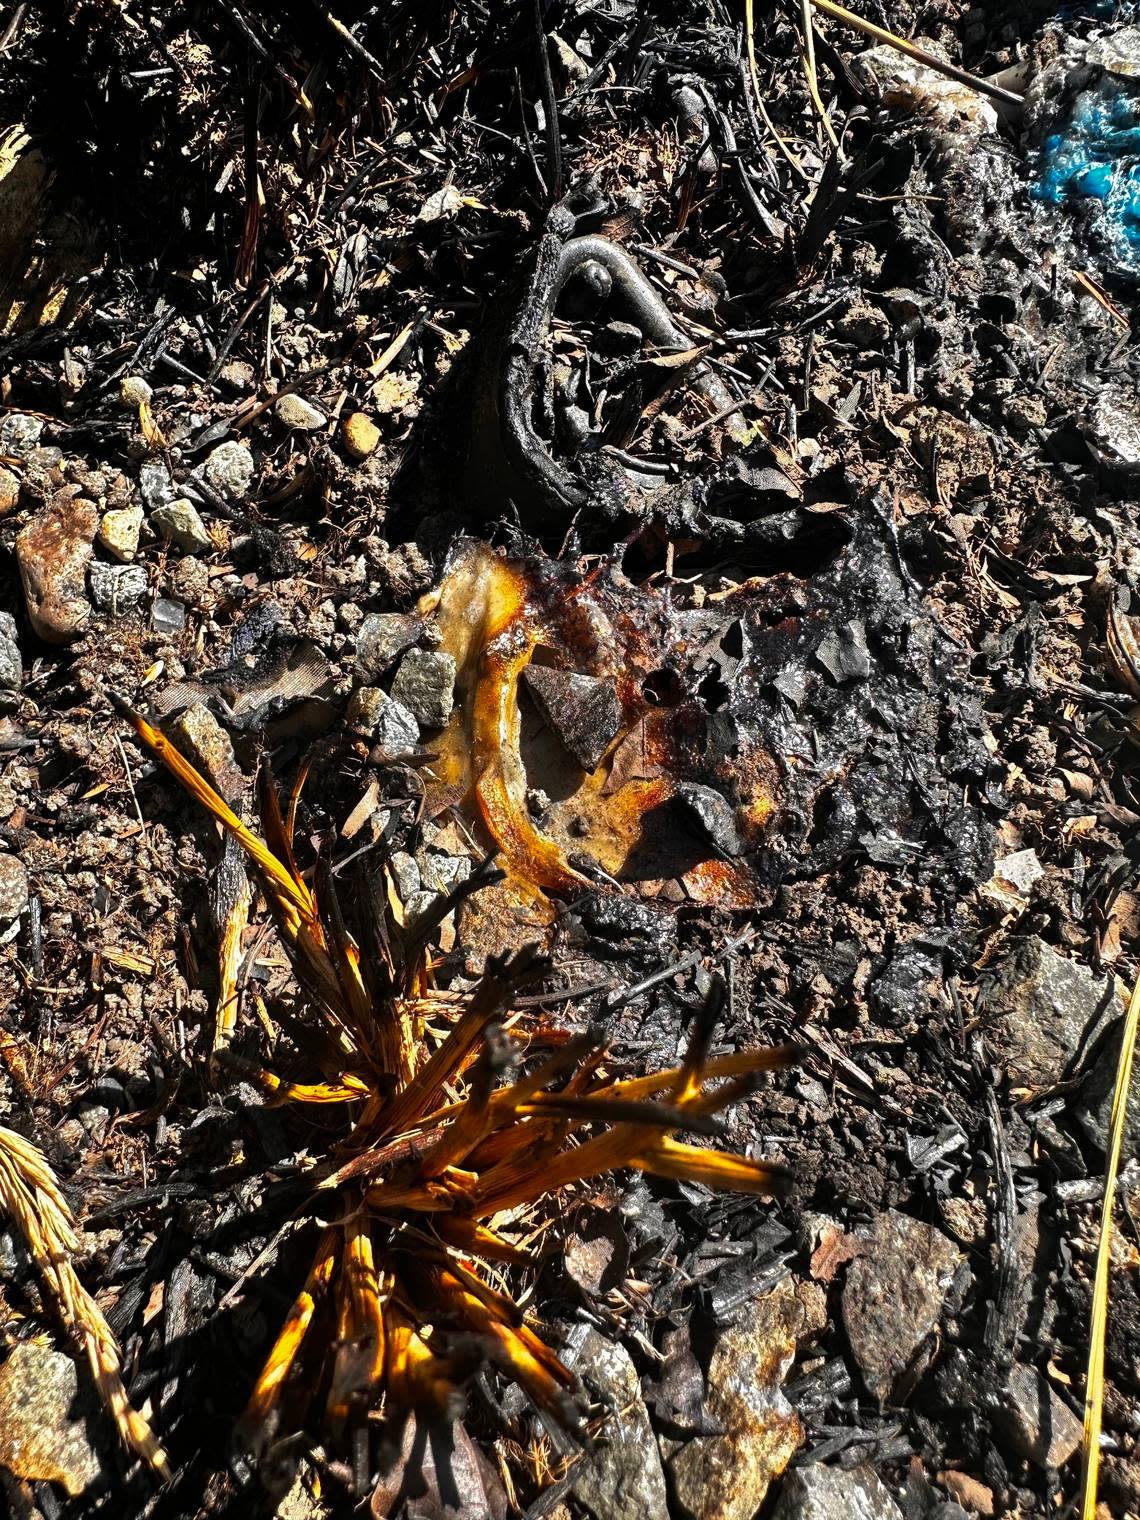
(1094, 155)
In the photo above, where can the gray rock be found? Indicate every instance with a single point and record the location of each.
(9, 492)
(439, 873)
(48, 1422)
(407, 874)
(893, 1297)
(442, 205)
(381, 637)
(382, 718)
(19, 434)
(295, 412)
(709, 815)
(418, 904)
(117, 588)
(180, 525)
(1035, 1420)
(13, 888)
(425, 684)
(622, 1478)
(238, 375)
(1117, 53)
(229, 469)
(1094, 1103)
(835, 1493)
(1112, 427)
(168, 615)
(582, 710)
(203, 740)
(155, 484)
(11, 661)
(843, 652)
(1040, 1009)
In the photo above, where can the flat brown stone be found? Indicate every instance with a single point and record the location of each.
(53, 553)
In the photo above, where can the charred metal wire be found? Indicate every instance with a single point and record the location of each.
(549, 490)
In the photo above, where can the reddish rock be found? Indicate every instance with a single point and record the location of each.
(53, 553)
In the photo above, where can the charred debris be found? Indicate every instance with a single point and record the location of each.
(568, 680)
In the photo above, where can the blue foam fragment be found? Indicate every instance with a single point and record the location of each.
(1095, 155)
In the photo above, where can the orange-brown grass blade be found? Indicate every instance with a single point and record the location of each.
(478, 1240)
(738, 1063)
(489, 999)
(290, 825)
(415, 1376)
(515, 1349)
(716, 1169)
(690, 1076)
(267, 1390)
(595, 1110)
(278, 1090)
(276, 874)
(470, 1124)
(359, 1361)
(515, 1182)
(30, 1194)
(232, 909)
(278, 833)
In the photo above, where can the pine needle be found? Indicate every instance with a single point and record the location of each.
(807, 58)
(1094, 1383)
(754, 74)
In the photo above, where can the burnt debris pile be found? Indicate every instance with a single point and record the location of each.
(569, 662)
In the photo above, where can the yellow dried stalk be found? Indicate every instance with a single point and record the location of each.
(30, 1193)
(1094, 1383)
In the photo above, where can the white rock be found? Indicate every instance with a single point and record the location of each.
(229, 469)
(295, 412)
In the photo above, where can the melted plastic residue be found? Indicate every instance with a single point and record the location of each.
(1095, 156)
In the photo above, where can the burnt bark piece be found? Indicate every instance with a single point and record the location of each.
(582, 710)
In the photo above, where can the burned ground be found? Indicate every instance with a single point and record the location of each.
(845, 568)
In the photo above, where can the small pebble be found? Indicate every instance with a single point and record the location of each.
(381, 717)
(295, 412)
(13, 888)
(237, 374)
(53, 553)
(180, 525)
(406, 873)
(380, 638)
(9, 492)
(167, 615)
(19, 434)
(119, 531)
(229, 469)
(439, 873)
(117, 588)
(11, 662)
(134, 391)
(361, 435)
(425, 684)
(155, 484)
